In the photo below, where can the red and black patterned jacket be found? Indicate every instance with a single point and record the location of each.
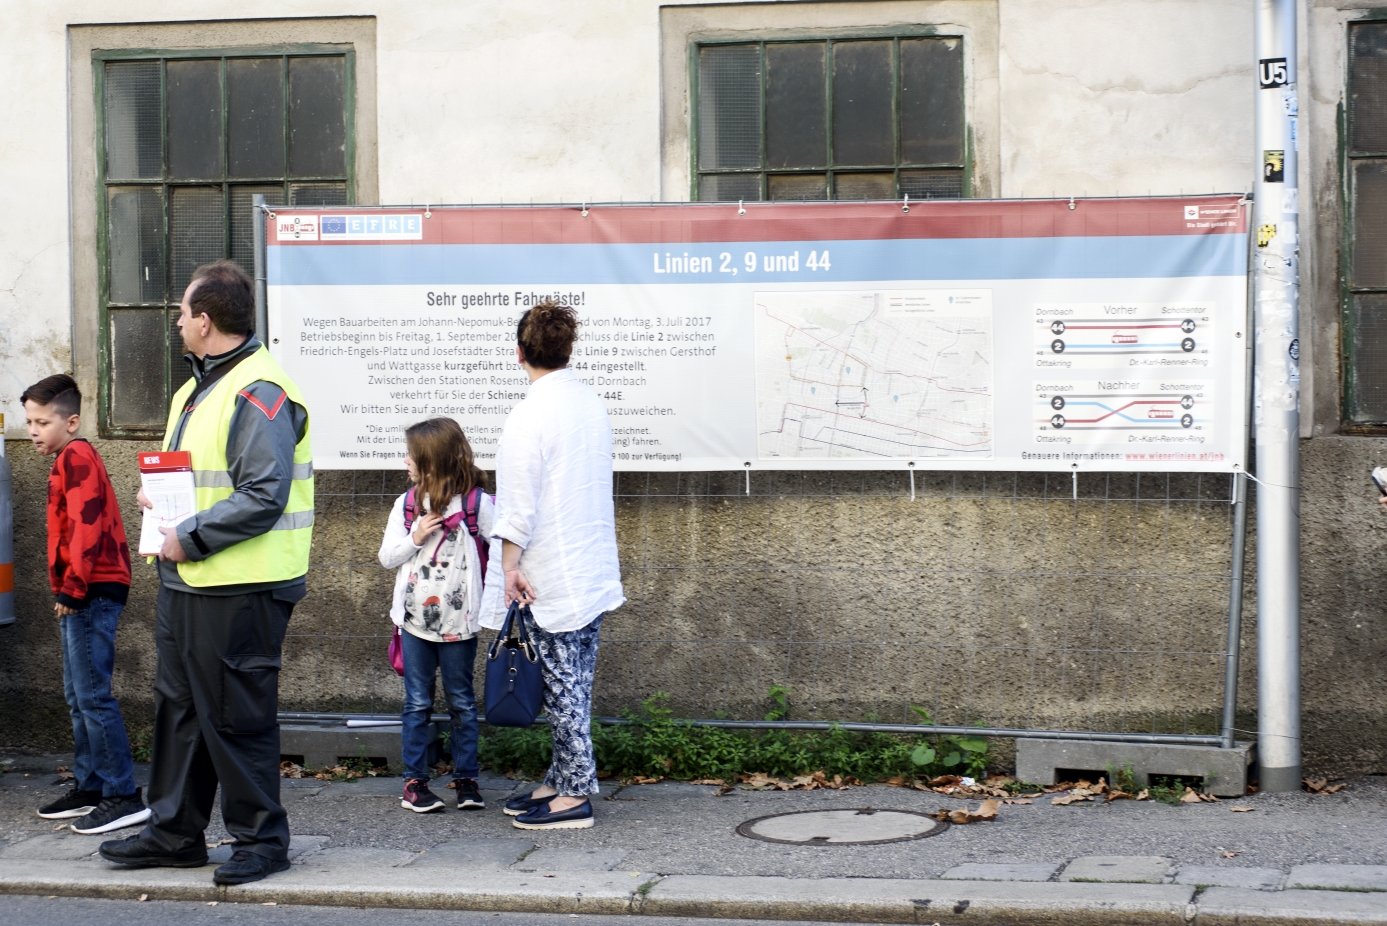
(87, 552)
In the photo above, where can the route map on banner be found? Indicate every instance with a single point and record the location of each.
(964, 334)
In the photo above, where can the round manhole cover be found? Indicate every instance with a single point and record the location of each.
(862, 826)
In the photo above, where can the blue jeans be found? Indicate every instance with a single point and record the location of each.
(454, 662)
(100, 747)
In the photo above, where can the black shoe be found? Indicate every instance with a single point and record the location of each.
(419, 798)
(113, 813)
(75, 803)
(469, 795)
(138, 852)
(245, 866)
(542, 818)
(518, 805)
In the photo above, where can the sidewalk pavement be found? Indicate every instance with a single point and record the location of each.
(671, 849)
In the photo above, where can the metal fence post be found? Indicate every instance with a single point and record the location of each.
(1235, 610)
(1276, 386)
(262, 317)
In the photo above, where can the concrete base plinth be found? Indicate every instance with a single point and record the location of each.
(1225, 771)
(323, 746)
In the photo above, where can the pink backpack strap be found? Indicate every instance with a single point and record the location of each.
(411, 508)
(471, 511)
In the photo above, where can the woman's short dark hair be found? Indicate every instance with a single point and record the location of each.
(546, 334)
(226, 294)
(59, 390)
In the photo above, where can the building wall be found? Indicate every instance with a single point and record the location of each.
(543, 101)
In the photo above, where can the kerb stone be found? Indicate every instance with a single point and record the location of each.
(1230, 906)
(1253, 879)
(1139, 869)
(1339, 877)
(1003, 871)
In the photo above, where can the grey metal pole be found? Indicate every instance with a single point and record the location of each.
(262, 315)
(1235, 611)
(1276, 388)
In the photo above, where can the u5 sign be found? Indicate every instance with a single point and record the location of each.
(1271, 72)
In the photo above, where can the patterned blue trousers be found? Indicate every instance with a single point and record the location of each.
(567, 662)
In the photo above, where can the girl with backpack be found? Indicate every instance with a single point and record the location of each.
(437, 537)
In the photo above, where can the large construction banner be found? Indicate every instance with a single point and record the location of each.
(1005, 335)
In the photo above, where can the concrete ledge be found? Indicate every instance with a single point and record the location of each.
(321, 746)
(1230, 906)
(1224, 770)
(372, 885)
(881, 900)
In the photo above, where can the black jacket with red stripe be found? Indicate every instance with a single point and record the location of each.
(265, 428)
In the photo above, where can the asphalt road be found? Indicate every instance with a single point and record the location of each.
(64, 911)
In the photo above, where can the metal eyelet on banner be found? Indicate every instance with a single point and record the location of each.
(585, 209)
(428, 213)
(905, 206)
(741, 210)
(1071, 202)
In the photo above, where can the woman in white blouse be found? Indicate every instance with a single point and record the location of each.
(556, 529)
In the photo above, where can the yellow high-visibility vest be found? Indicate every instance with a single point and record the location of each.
(280, 553)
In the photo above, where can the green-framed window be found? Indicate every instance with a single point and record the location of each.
(857, 117)
(184, 140)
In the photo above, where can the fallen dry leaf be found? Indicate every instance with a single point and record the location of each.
(1016, 800)
(1143, 795)
(61, 768)
(643, 780)
(725, 789)
(1229, 855)
(1241, 809)
(708, 781)
(1190, 797)
(1072, 797)
(144, 897)
(987, 810)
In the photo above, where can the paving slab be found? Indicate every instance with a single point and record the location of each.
(384, 786)
(1253, 879)
(1004, 871)
(664, 790)
(559, 859)
(348, 860)
(883, 900)
(1339, 877)
(1230, 906)
(298, 847)
(1138, 869)
(479, 853)
(62, 846)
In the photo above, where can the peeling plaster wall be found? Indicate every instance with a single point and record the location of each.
(1128, 97)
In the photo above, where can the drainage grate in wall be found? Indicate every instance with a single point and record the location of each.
(862, 826)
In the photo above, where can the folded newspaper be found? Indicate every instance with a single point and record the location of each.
(167, 480)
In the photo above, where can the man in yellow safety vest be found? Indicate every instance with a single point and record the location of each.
(228, 580)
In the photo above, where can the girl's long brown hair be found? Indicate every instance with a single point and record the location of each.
(444, 459)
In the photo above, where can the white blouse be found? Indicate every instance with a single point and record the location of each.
(554, 499)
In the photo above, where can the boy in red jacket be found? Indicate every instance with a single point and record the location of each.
(89, 569)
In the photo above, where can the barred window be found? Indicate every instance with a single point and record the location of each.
(852, 118)
(184, 143)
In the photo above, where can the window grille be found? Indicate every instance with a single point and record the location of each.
(1365, 290)
(851, 118)
(184, 142)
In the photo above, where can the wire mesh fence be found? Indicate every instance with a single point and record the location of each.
(981, 599)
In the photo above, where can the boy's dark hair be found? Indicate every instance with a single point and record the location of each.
(546, 334)
(226, 294)
(60, 391)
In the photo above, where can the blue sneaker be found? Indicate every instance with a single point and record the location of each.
(541, 818)
(518, 805)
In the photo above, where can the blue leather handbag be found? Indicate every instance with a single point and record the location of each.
(514, 687)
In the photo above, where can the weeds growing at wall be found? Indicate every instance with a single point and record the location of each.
(654, 744)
